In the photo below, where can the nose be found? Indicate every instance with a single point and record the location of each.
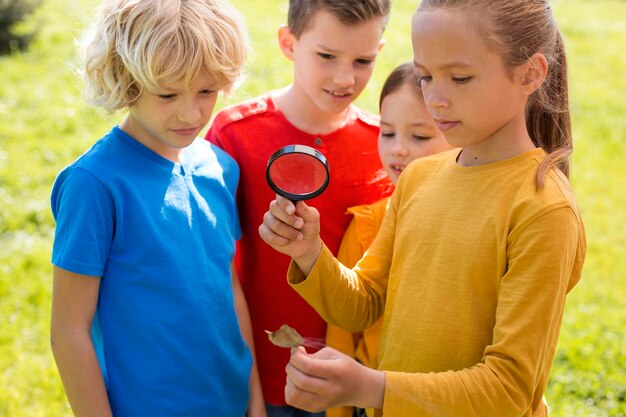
(189, 112)
(400, 148)
(435, 95)
(344, 76)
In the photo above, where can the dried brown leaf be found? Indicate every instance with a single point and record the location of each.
(286, 337)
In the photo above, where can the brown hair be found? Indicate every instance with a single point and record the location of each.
(518, 29)
(349, 12)
(402, 75)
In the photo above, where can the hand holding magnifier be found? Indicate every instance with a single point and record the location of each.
(297, 172)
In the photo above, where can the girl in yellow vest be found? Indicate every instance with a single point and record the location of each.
(407, 132)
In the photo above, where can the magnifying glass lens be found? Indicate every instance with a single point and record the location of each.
(297, 172)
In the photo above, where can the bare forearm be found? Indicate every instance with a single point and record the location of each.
(81, 375)
(372, 391)
(306, 262)
(256, 405)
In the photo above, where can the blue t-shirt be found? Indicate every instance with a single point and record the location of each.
(161, 236)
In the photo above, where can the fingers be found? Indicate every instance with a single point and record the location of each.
(326, 354)
(293, 230)
(312, 372)
(329, 378)
(274, 226)
(307, 213)
(301, 389)
(321, 364)
(287, 205)
(302, 399)
(300, 208)
(280, 225)
(284, 211)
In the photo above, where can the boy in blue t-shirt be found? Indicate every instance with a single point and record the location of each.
(146, 312)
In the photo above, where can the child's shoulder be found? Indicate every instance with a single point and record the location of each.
(556, 189)
(246, 110)
(363, 116)
(204, 152)
(99, 154)
(204, 159)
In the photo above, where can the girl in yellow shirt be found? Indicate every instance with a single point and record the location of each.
(478, 247)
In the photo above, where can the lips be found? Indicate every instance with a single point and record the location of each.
(338, 94)
(186, 131)
(444, 125)
(397, 168)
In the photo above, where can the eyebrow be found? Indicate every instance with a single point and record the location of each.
(420, 124)
(335, 51)
(454, 64)
(166, 90)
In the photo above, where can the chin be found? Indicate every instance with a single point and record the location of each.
(393, 177)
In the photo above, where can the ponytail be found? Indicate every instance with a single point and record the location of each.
(548, 118)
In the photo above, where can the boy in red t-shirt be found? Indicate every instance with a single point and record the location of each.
(333, 46)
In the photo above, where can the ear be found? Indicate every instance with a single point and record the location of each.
(534, 74)
(286, 41)
(381, 44)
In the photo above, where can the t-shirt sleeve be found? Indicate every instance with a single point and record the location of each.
(85, 217)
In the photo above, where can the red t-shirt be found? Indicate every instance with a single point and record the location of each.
(251, 132)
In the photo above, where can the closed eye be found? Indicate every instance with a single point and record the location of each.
(461, 80)
(325, 56)
(387, 134)
(418, 137)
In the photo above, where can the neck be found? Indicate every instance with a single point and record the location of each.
(510, 140)
(131, 127)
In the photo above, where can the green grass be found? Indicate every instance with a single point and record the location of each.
(44, 124)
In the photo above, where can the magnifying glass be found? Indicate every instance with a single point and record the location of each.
(297, 172)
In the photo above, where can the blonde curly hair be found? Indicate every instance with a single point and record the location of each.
(137, 45)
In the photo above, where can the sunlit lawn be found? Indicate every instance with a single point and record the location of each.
(44, 124)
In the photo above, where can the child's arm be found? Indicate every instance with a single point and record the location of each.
(545, 261)
(329, 378)
(296, 234)
(256, 405)
(74, 300)
(293, 230)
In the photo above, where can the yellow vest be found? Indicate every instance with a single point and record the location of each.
(363, 346)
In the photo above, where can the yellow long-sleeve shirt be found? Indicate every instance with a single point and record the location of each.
(471, 267)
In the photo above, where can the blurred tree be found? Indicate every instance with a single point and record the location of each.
(13, 12)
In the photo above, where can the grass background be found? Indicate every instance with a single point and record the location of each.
(45, 124)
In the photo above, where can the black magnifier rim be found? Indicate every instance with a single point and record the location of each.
(303, 149)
